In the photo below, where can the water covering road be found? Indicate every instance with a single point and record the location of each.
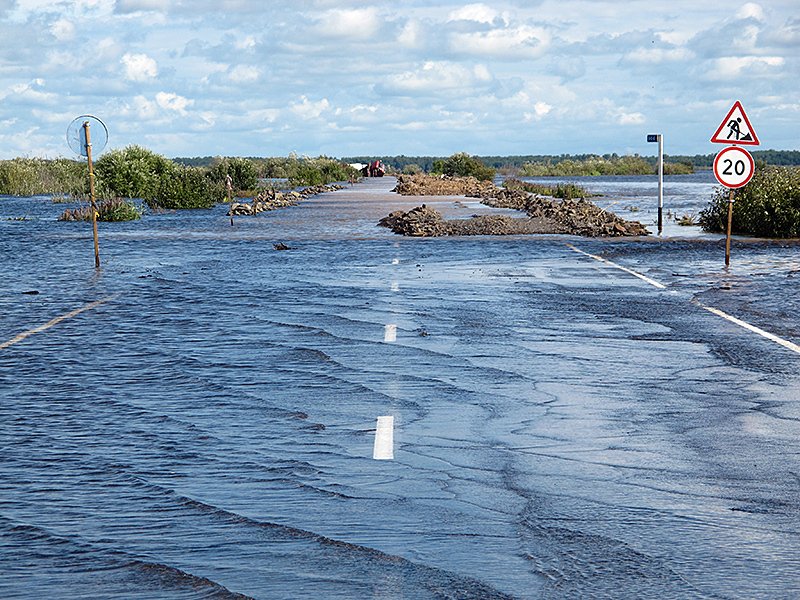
(562, 428)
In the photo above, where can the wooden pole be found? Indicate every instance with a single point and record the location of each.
(91, 193)
(728, 237)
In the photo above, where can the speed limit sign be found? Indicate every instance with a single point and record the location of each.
(734, 167)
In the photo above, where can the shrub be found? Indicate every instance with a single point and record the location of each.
(318, 171)
(678, 168)
(768, 206)
(115, 209)
(133, 172)
(275, 167)
(462, 164)
(242, 171)
(185, 187)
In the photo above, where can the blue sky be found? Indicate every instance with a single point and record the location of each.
(264, 78)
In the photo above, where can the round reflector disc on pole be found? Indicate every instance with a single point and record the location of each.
(76, 135)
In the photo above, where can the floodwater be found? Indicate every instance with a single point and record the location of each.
(204, 428)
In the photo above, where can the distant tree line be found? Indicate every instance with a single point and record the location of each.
(402, 163)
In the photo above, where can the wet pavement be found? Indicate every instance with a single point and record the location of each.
(562, 428)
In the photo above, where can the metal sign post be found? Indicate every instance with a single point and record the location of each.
(728, 233)
(657, 137)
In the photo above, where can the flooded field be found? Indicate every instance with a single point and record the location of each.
(197, 419)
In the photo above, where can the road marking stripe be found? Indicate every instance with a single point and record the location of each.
(770, 336)
(644, 278)
(25, 334)
(384, 439)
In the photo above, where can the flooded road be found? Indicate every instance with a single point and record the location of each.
(204, 425)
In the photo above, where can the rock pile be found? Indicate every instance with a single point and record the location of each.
(272, 199)
(418, 222)
(430, 185)
(424, 221)
(546, 215)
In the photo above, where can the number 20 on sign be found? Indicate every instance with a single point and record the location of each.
(734, 167)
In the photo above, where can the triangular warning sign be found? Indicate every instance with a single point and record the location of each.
(736, 129)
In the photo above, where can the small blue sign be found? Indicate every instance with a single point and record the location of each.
(652, 137)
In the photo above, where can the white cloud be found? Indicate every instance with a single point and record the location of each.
(675, 38)
(786, 35)
(207, 120)
(633, 118)
(141, 109)
(139, 67)
(518, 43)
(244, 74)
(654, 56)
(480, 13)
(437, 76)
(733, 68)
(173, 102)
(356, 24)
(540, 110)
(751, 10)
(30, 93)
(261, 115)
(246, 43)
(63, 30)
(410, 35)
(307, 110)
(129, 6)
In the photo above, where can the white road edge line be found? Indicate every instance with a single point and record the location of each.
(26, 334)
(644, 278)
(770, 336)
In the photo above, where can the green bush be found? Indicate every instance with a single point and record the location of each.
(242, 171)
(132, 172)
(135, 172)
(768, 206)
(186, 187)
(678, 168)
(275, 167)
(462, 164)
(317, 171)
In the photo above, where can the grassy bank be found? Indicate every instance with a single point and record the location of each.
(567, 191)
(38, 176)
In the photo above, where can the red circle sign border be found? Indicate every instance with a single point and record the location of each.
(749, 158)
